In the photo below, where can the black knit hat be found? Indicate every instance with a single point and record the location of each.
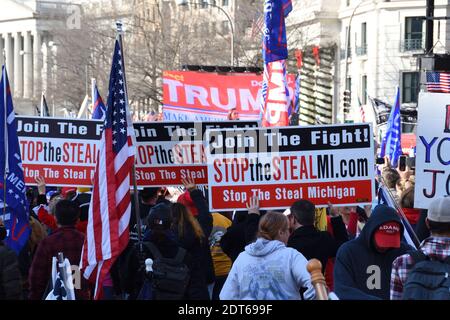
(159, 217)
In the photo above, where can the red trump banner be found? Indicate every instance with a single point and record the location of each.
(205, 96)
(282, 165)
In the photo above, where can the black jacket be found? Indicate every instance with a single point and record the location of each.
(358, 264)
(132, 270)
(241, 233)
(199, 251)
(10, 278)
(320, 245)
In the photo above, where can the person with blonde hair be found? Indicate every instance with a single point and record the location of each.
(267, 269)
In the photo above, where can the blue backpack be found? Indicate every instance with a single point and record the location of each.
(429, 279)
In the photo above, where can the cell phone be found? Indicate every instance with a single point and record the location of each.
(380, 160)
(411, 162)
(402, 163)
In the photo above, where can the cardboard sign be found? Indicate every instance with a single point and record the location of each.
(168, 152)
(64, 151)
(281, 165)
(207, 96)
(433, 149)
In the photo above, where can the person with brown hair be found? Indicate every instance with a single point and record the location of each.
(267, 269)
(192, 225)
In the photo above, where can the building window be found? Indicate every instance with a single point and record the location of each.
(349, 43)
(225, 27)
(348, 84)
(414, 33)
(410, 86)
(225, 3)
(364, 90)
(362, 50)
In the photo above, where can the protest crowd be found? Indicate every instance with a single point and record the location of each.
(215, 217)
(252, 254)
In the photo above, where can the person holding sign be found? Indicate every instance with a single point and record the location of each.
(267, 269)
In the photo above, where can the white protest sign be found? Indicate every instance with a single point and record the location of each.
(433, 148)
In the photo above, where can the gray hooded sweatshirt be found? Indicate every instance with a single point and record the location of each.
(268, 270)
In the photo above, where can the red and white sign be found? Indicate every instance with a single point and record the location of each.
(205, 96)
(65, 151)
(282, 165)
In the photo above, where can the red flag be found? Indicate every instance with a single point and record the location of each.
(316, 54)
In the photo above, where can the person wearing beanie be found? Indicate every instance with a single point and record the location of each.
(362, 269)
(436, 247)
(64, 239)
(10, 277)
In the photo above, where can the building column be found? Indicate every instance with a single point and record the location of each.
(18, 66)
(28, 67)
(45, 66)
(37, 65)
(9, 59)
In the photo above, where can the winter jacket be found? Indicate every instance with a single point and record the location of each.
(10, 278)
(241, 233)
(233, 241)
(268, 270)
(360, 271)
(320, 245)
(67, 240)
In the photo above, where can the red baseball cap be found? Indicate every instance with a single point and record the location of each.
(186, 200)
(388, 235)
(66, 190)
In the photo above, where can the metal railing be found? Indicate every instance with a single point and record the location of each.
(361, 51)
(412, 45)
(343, 53)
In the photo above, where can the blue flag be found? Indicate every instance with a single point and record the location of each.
(16, 219)
(275, 100)
(99, 106)
(391, 144)
(275, 42)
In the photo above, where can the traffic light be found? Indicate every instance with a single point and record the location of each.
(347, 101)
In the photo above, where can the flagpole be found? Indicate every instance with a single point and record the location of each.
(130, 122)
(93, 84)
(400, 213)
(6, 173)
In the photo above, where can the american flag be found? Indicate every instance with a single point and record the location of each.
(438, 82)
(109, 211)
(257, 25)
(362, 113)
